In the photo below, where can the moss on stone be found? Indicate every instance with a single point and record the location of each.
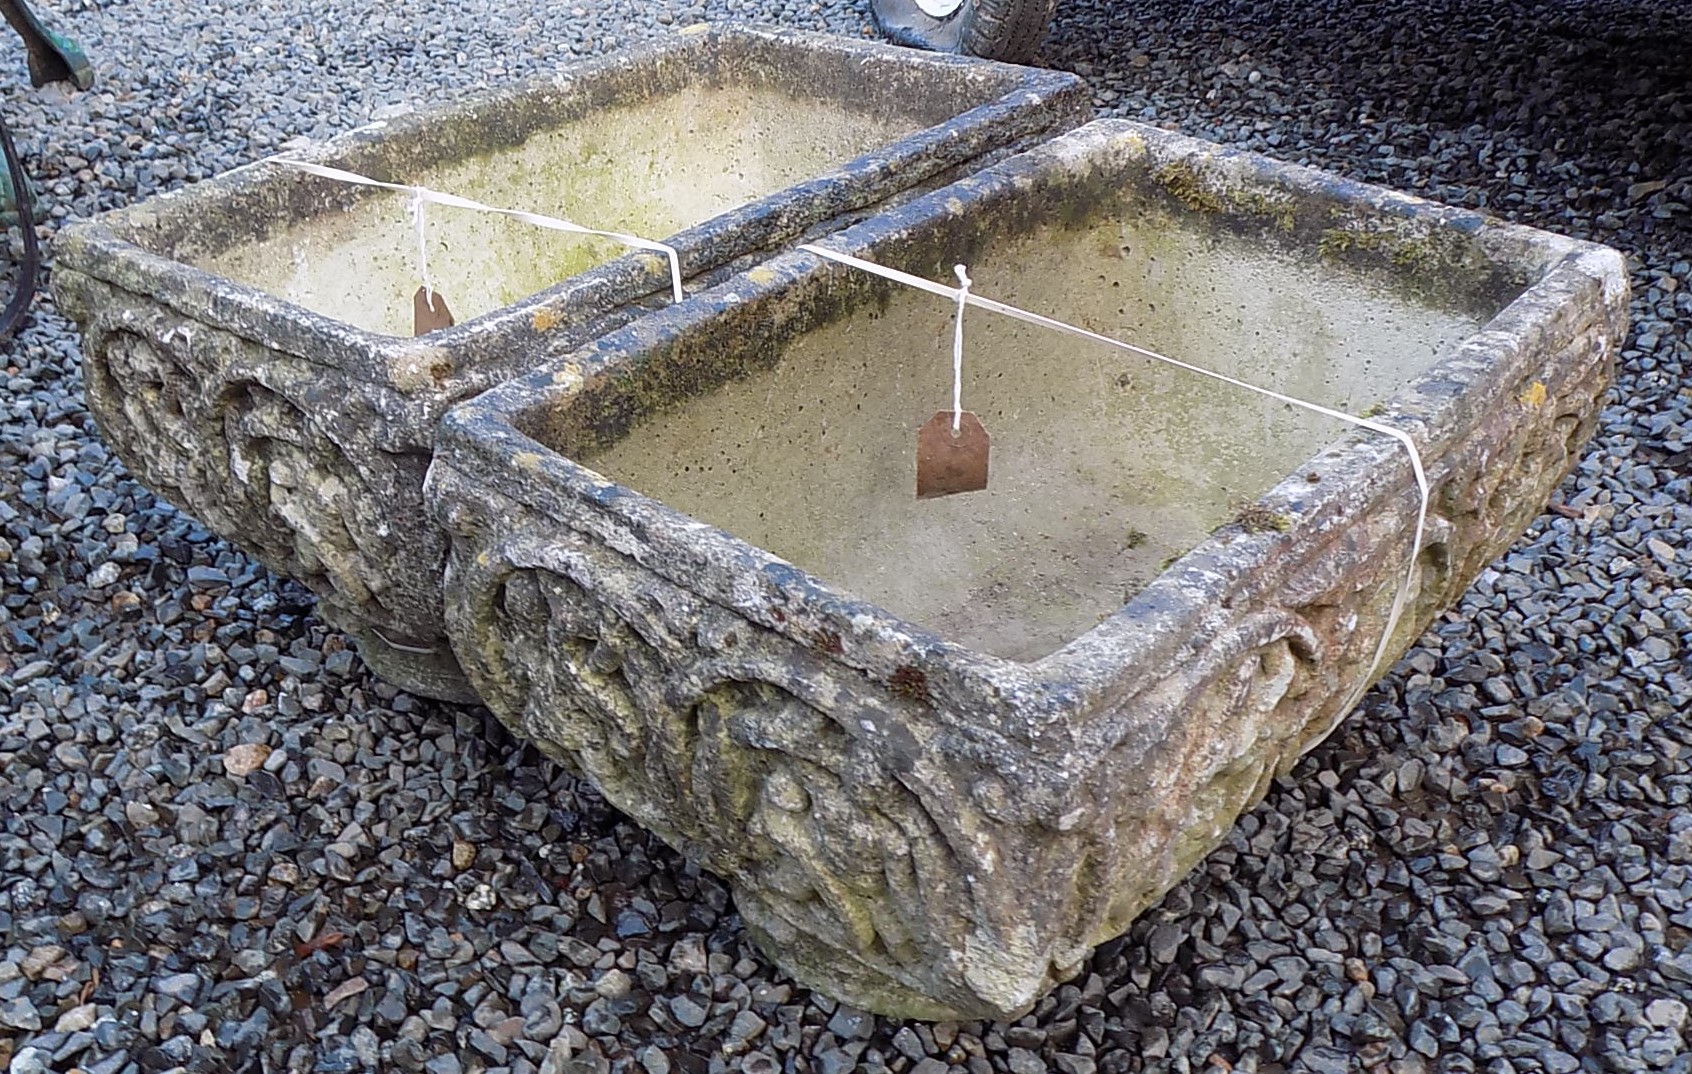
(1187, 187)
(1280, 211)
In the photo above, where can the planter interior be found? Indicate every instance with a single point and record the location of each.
(649, 168)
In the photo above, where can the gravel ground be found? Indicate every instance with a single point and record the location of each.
(224, 847)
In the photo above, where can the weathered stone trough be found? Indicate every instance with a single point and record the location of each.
(941, 748)
(246, 338)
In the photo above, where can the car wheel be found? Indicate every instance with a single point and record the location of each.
(1008, 30)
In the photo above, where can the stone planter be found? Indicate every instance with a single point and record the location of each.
(247, 338)
(942, 748)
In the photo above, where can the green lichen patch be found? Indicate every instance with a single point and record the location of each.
(1255, 518)
(1399, 249)
(1191, 189)
(1211, 194)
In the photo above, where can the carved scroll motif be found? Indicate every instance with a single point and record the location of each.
(735, 745)
(280, 455)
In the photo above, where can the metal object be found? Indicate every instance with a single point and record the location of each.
(951, 462)
(17, 193)
(1006, 30)
(52, 58)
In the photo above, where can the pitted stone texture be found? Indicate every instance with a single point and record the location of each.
(919, 829)
(305, 439)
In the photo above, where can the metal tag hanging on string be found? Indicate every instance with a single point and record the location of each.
(952, 447)
(429, 312)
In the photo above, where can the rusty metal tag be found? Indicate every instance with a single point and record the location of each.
(948, 464)
(427, 317)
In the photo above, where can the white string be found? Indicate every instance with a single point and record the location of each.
(957, 350)
(417, 221)
(964, 297)
(392, 644)
(552, 223)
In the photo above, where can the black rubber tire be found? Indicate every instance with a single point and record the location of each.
(1008, 30)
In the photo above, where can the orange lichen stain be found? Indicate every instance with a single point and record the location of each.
(439, 370)
(546, 319)
(911, 684)
(1535, 396)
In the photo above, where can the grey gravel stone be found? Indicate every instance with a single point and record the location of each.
(29, 1060)
(19, 1013)
(1666, 1013)
(1163, 942)
(1023, 1061)
(178, 986)
(1423, 1039)
(850, 1024)
(689, 1011)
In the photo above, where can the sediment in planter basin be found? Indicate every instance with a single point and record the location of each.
(942, 748)
(650, 168)
(1104, 464)
(245, 338)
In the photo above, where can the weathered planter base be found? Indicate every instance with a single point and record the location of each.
(910, 822)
